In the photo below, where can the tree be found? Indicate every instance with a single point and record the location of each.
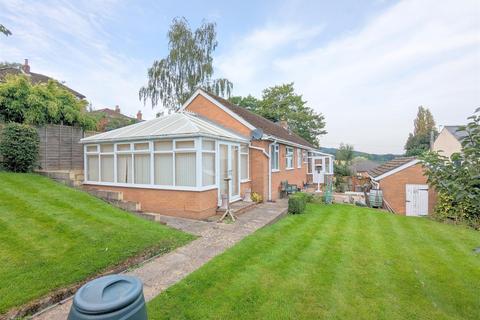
(249, 102)
(39, 104)
(457, 180)
(7, 64)
(188, 65)
(282, 103)
(424, 127)
(5, 31)
(345, 153)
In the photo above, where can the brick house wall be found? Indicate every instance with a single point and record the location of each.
(297, 176)
(185, 204)
(394, 188)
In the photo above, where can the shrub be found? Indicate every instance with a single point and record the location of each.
(297, 203)
(19, 147)
(308, 197)
(256, 197)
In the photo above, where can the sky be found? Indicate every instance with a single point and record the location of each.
(365, 65)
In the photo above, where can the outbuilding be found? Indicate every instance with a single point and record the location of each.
(404, 186)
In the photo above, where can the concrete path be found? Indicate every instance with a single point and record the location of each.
(162, 272)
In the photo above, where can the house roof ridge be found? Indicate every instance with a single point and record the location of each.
(275, 130)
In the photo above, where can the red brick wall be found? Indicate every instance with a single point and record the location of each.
(209, 110)
(186, 204)
(259, 169)
(394, 188)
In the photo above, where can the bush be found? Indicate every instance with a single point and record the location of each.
(297, 203)
(256, 197)
(19, 147)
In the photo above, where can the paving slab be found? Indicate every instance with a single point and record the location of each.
(214, 238)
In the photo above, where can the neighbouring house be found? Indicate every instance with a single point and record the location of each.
(109, 119)
(177, 164)
(360, 168)
(34, 77)
(449, 140)
(404, 186)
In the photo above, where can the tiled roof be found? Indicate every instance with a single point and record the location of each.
(363, 165)
(36, 78)
(268, 127)
(176, 124)
(112, 113)
(389, 166)
(459, 135)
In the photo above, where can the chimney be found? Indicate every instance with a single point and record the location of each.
(26, 67)
(139, 115)
(117, 109)
(283, 124)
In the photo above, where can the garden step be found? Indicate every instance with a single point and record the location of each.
(128, 205)
(107, 194)
(239, 207)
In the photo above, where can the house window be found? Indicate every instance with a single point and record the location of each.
(304, 155)
(185, 169)
(92, 165)
(124, 168)
(299, 158)
(208, 162)
(141, 164)
(244, 162)
(309, 164)
(163, 168)
(288, 158)
(274, 157)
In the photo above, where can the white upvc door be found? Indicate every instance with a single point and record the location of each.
(416, 200)
(229, 166)
(318, 165)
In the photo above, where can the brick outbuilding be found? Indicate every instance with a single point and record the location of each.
(404, 186)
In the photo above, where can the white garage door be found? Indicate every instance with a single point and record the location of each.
(417, 200)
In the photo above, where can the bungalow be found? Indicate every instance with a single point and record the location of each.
(449, 141)
(177, 164)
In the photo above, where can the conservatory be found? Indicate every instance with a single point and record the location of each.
(181, 152)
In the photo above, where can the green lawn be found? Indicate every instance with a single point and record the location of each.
(336, 262)
(52, 236)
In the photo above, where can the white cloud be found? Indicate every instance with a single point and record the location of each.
(69, 42)
(370, 82)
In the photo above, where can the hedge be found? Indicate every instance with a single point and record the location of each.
(19, 145)
(297, 202)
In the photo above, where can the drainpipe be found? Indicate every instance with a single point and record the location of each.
(269, 169)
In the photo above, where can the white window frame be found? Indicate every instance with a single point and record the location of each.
(299, 158)
(247, 179)
(275, 150)
(309, 161)
(289, 157)
(214, 151)
(197, 149)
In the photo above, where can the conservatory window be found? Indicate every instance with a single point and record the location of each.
(164, 169)
(107, 169)
(185, 169)
(142, 168)
(124, 168)
(92, 166)
(208, 162)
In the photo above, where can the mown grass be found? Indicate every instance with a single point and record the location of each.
(336, 262)
(52, 236)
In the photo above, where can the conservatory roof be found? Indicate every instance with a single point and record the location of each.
(182, 124)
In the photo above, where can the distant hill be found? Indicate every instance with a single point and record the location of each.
(371, 156)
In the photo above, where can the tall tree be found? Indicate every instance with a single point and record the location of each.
(249, 102)
(6, 64)
(282, 103)
(5, 31)
(188, 65)
(345, 153)
(424, 127)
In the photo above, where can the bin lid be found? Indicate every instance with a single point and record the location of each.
(107, 294)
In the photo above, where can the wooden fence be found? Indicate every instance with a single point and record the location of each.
(59, 147)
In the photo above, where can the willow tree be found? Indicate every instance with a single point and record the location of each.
(5, 31)
(188, 65)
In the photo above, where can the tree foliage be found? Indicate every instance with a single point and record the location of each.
(188, 65)
(457, 179)
(39, 104)
(5, 31)
(424, 126)
(19, 145)
(345, 153)
(6, 64)
(282, 103)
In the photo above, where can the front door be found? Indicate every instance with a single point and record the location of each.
(318, 169)
(416, 200)
(229, 167)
